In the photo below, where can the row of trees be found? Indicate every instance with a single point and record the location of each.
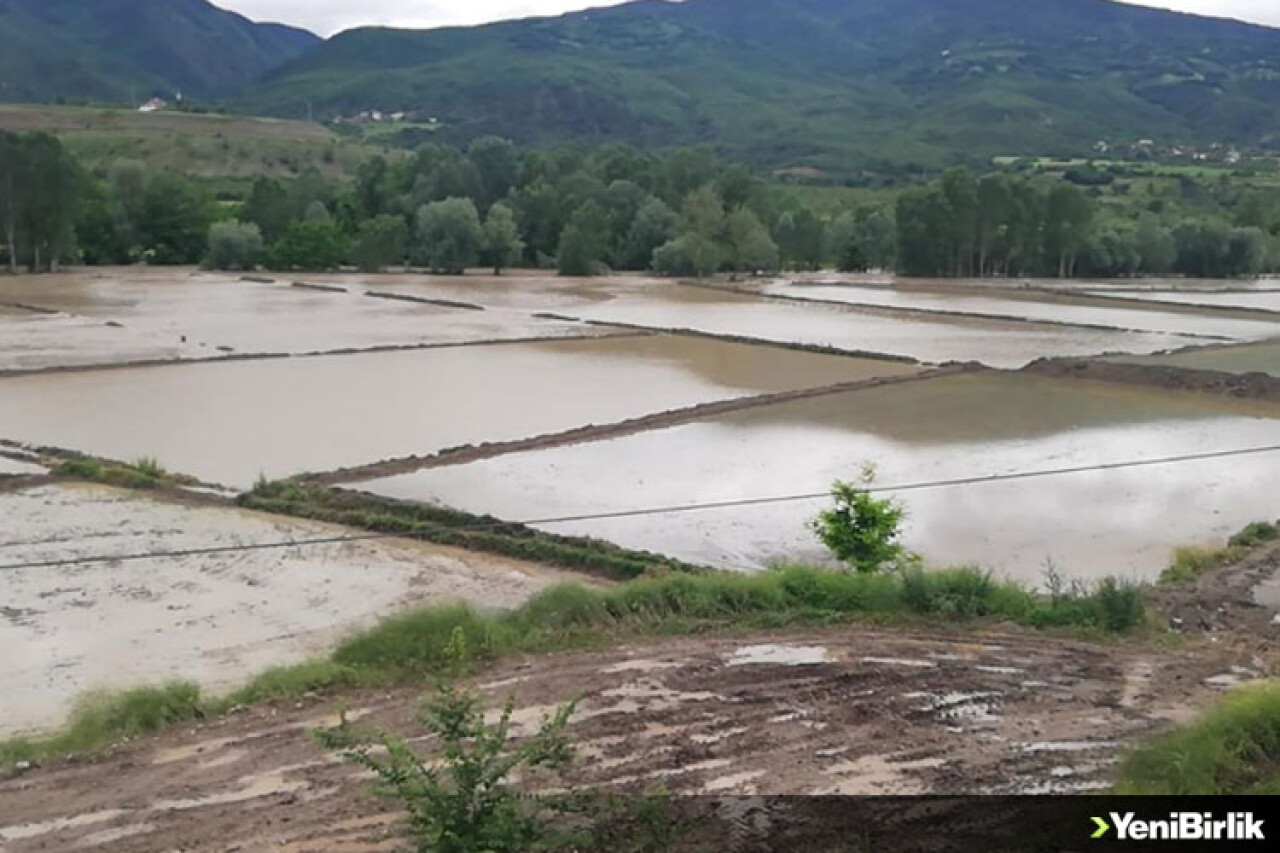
(40, 193)
(965, 225)
(582, 213)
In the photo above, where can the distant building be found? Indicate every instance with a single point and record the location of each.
(153, 105)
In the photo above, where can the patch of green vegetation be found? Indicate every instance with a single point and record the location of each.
(444, 526)
(1194, 561)
(102, 719)
(415, 645)
(1232, 749)
(144, 473)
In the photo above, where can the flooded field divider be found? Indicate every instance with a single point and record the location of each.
(229, 357)
(423, 300)
(323, 288)
(872, 308)
(794, 346)
(1251, 386)
(582, 435)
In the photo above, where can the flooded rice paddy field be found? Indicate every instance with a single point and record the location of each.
(995, 343)
(1249, 358)
(229, 422)
(1090, 524)
(1263, 300)
(1041, 308)
(127, 316)
(32, 340)
(215, 619)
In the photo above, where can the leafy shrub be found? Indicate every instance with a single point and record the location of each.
(862, 531)
(463, 800)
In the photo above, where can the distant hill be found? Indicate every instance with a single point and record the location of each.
(828, 83)
(112, 50)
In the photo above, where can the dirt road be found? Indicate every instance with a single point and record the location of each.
(848, 710)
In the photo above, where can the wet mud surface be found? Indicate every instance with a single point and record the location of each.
(848, 710)
(213, 618)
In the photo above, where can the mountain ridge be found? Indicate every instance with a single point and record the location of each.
(117, 50)
(817, 82)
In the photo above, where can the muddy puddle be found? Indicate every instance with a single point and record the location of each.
(929, 339)
(1249, 358)
(228, 422)
(204, 314)
(215, 619)
(1041, 309)
(1088, 524)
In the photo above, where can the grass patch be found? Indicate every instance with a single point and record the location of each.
(413, 645)
(1234, 748)
(101, 719)
(144, 473)
(1193, 562)
(444, 526)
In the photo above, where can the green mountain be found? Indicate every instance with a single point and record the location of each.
(112, 50)
(827, 83)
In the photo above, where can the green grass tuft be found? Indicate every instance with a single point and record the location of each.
(285, 682)
(101, 719)
(1232, 749)
(415, 644)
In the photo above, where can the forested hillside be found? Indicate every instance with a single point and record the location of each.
(813, 82)
(117, 50)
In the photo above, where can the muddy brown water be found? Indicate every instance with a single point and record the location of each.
(1122, 522)
(228, 422)
(1264, 300)
(1249, 358)
(1041, 308)
(930, 339)
(36, 341)
(216, 619)
(204, 314)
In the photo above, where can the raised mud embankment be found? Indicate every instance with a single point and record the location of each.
(1247, 386)
(580, 435)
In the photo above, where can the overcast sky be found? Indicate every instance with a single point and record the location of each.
(330, 16)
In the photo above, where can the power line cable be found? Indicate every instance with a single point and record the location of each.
(650, 511)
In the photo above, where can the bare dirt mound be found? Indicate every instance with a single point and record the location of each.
(841, 711)
(1250, 386)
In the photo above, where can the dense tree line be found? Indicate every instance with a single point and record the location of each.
(615, 208)
(965, 225)
(40, 196)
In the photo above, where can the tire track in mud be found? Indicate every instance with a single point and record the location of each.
(632, 426)
(845, 710)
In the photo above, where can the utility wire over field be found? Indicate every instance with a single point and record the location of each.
(650, 511)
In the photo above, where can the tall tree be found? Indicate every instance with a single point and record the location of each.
(497, 167)
(502, 243)
(449, 235)
(585, 242)
(1067, 220)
